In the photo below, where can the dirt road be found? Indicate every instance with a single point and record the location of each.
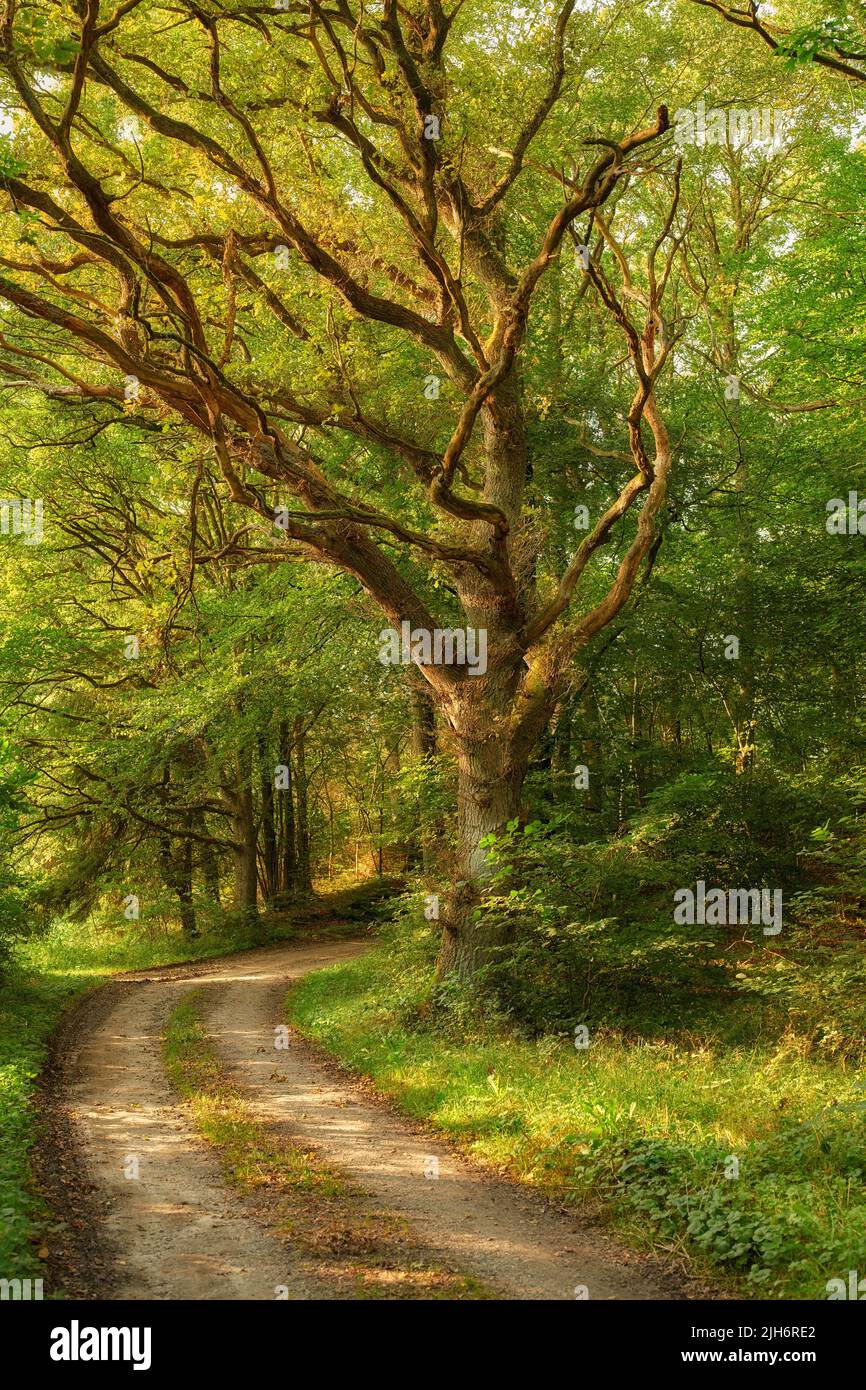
(148, 1214)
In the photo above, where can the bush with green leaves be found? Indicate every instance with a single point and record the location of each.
(591, 932)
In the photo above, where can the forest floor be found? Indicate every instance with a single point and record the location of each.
(196, 1149)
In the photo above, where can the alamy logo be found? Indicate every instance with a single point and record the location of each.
(717, 908)
(441, 647)
(734, 126)
(77, 1343)
(847, 518)
(856, 1287)
(22, 516)
(20, 1290)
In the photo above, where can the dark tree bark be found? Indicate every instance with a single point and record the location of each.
(303, 876)
(239, 798)
(208, 863)
(288, 846)
(176, 866)
(424, 748)
(423, 721)
(270, 857)
(184, 889)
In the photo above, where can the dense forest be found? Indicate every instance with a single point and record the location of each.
(430, 451)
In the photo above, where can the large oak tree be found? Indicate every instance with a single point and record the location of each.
(235, 215)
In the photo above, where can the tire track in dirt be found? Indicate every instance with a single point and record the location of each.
(494, 1230)
(177, 1231)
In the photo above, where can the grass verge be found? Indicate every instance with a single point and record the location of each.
(750, 1160)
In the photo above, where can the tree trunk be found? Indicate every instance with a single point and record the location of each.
(177, 875)
(430, 833)
(288, 847)
(245, 847)
(423, 722)
(177, 872)
(496, 715)
(246, 868)
(208, 863)
(490, 767)
(304, 881)
(490, 782)
(270, 860)
(184, 890)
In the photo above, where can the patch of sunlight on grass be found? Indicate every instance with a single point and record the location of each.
(673, 1107)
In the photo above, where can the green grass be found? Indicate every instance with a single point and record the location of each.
(637, 1130)
(29, 1009)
